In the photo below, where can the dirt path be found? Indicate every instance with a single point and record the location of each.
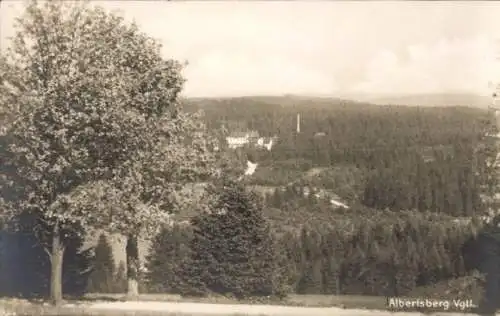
(228, 309)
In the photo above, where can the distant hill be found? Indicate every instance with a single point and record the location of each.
(451, 99)
(263, 101)
(256, 109)
(427, 100)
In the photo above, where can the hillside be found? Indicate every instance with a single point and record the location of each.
(282, 101)
(458, 99)
(314, 175)
(425, 100)
(394, 157)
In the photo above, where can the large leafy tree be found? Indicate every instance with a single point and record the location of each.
(153, 184)
(87, 102)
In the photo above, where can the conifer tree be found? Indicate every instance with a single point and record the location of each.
(312, 278)
(489, 238)
(168, 249)
(232, 251)
(277, 199)
(120, 280)
(103, 271)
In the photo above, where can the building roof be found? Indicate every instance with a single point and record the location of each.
(238, 134)
(244, 134)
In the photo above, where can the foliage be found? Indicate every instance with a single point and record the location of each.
(407, 157)
(468, 287)
(168, 249)
(354, 133)
(346, 181)
(92, 113)
(359, 252)
(485, 249)
(92, 135)
(279, 172)
(148, 187)
(75, 115)
(232, 250)
(121, 278)
(102, 277)
(123, 114)
(487, 166)
(382, 254)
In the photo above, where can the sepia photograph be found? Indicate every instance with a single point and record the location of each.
(249, 158)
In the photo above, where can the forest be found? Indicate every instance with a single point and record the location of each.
(109, 145)
(416, 180)
(413, 178)
(397, 157)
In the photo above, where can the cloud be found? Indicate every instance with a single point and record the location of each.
(464, 65)
(318, 47)
(265, 74)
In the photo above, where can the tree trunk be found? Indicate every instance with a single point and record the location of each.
(56, 261)
(132, 254)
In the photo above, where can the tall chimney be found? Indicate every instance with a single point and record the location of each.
(298, 123)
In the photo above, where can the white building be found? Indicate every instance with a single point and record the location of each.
(266, 142)
(240, 139)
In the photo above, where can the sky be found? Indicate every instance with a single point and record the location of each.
(335, 48)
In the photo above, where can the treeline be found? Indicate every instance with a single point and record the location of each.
(447, 184)
(375, 256)
(359, 134)
(321, 250)
(424, 159)
(242, 246)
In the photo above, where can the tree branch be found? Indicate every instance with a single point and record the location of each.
(47, 251)
(88, 270)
